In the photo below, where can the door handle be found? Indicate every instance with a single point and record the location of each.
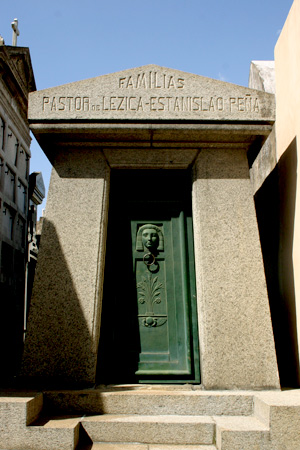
(147, 259)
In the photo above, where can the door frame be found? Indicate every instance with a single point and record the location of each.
(190, 286)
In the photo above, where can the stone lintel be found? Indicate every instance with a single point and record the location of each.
(150, 135)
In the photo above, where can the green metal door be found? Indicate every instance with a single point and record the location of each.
(149, 322)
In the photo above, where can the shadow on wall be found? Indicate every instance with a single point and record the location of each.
(58, 343)
(275, 209)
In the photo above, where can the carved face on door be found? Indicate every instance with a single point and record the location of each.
(149, 237)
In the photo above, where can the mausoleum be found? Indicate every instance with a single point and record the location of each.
(155, 149)
(154, 309)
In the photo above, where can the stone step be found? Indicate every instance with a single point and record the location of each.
(236, 433)
(274, 424)
(20, 407)
(280, 411)
(152, 429)
(54, 433)
(148, 401)
(22, 426)
(133, 446)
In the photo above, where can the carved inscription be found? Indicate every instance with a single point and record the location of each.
(152, 103)
(61, 103)
(151, 92)
(151, 80)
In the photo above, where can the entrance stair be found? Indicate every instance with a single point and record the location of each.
(150, 418)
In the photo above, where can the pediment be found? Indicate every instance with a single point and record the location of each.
(151, 93)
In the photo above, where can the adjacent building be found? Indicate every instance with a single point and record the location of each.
(16, 81)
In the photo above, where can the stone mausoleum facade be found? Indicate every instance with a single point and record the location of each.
(152, 316)
(176, 125)
(150, 287)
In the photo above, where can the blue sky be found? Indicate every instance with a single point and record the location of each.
(71, 40)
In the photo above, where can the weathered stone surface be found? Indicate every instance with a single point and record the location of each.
(150, 429)
(280, 411)
(153, 93)
(151, 402)
(181, 447)
(131, 446)
(273, 426)
(264, 163)
(155, 158)
(64, 321)
(122, 446)
(130, 138)
(17, 431)
(17, 411)
(236, 433)
(262, 76)
(118, 446)
(235, 331)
